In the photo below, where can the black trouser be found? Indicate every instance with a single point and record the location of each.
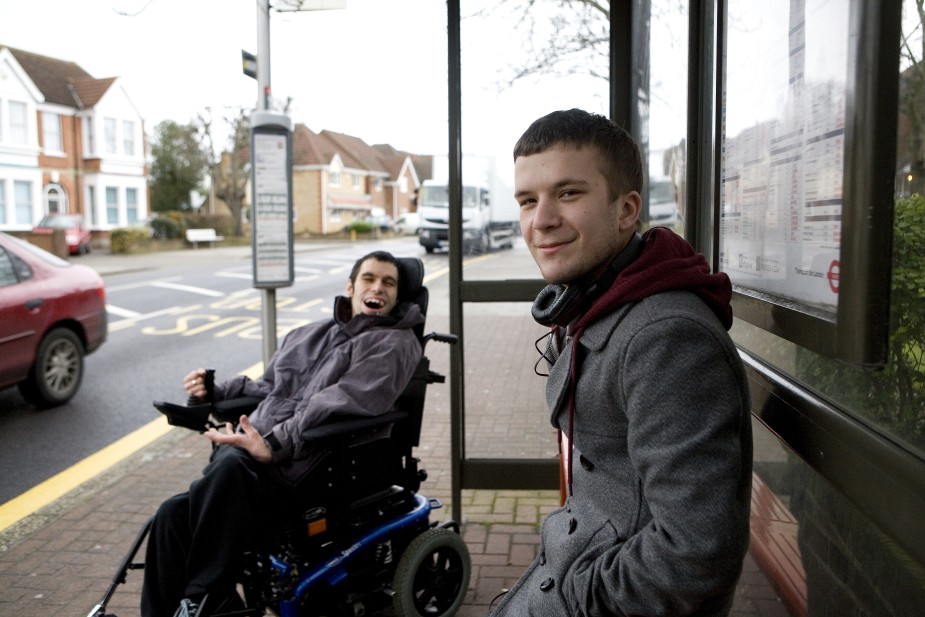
(197, 538)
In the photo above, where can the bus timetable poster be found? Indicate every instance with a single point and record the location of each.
(783, 148)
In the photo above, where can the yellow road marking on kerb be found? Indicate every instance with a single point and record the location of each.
(48, 491)
(61, 484)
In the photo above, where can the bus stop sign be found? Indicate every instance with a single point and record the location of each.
(271, 164)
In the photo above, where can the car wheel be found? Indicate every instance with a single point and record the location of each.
(484, 242)
(58, 369)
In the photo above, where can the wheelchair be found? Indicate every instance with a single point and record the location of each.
(363, 544)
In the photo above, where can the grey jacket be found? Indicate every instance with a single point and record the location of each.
(658, 520)
(340, 367)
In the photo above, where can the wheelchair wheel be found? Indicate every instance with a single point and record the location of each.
(432, 575)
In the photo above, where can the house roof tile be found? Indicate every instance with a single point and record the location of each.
(61, 82)
(310, 148)
(354, 151)
(90, 91)
(306, 148)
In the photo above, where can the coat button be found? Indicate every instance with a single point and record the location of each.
(572, 524)
(547, 584)
(585, 463)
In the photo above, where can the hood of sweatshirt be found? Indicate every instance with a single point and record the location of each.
(667, 263)
(405, 315)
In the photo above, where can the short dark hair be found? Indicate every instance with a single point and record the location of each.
(621, 162)
(379, 256)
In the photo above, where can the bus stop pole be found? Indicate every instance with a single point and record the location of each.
(268, 297)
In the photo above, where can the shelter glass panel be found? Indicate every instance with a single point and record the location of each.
(664, 140)
(514, 69)
(891, 398)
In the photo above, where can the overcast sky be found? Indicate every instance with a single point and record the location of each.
(376, 70)
(345, 70)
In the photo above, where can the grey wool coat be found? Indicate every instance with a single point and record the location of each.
(657, 522)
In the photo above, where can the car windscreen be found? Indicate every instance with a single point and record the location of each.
(439, 196)
(58, 222)
(660, 192)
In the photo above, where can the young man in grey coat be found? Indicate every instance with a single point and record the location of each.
(645, 386)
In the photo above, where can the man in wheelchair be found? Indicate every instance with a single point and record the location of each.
(355, 364)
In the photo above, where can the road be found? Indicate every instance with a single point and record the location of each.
(163, 323)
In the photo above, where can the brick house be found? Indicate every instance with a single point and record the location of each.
(337, 179)
(68, 143)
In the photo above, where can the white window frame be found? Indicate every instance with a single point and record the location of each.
(52, 140)
(112, 208)
(22, 208)
(19, 126)
(91, 206)
(131, 205)
(60, 198)
(89, 135)
(128, 137)
(110, 135)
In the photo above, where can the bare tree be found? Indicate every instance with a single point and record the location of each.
(563, 37)
(229, 169)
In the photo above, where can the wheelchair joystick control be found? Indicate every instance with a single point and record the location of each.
(209, 382)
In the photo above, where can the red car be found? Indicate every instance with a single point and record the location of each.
(79, 239)
(52, 313)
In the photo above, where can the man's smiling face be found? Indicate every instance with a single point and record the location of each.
(570, 222)
(375, 290)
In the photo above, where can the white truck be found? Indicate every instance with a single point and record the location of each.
(490, 215)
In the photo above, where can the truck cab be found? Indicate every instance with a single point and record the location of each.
(479, 233)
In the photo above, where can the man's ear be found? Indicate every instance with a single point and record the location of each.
(630, 204)
(349, 288)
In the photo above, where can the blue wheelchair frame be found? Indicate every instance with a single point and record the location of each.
(334, 571)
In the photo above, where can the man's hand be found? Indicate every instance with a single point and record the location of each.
(250, 440)
(195, 383)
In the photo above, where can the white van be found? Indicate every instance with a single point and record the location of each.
(663, 207)
(408, 224)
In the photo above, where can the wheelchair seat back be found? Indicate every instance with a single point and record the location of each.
(371, 458)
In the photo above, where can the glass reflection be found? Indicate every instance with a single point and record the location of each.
(821, 553)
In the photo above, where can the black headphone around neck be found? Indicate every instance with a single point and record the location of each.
(560, 304)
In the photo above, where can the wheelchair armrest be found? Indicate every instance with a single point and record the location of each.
(325, 433)
(232, 409)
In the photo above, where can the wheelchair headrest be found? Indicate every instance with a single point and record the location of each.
(412, 282)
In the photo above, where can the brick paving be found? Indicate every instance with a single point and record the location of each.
(59, 561)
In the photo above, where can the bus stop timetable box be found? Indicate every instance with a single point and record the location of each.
(271, 164)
